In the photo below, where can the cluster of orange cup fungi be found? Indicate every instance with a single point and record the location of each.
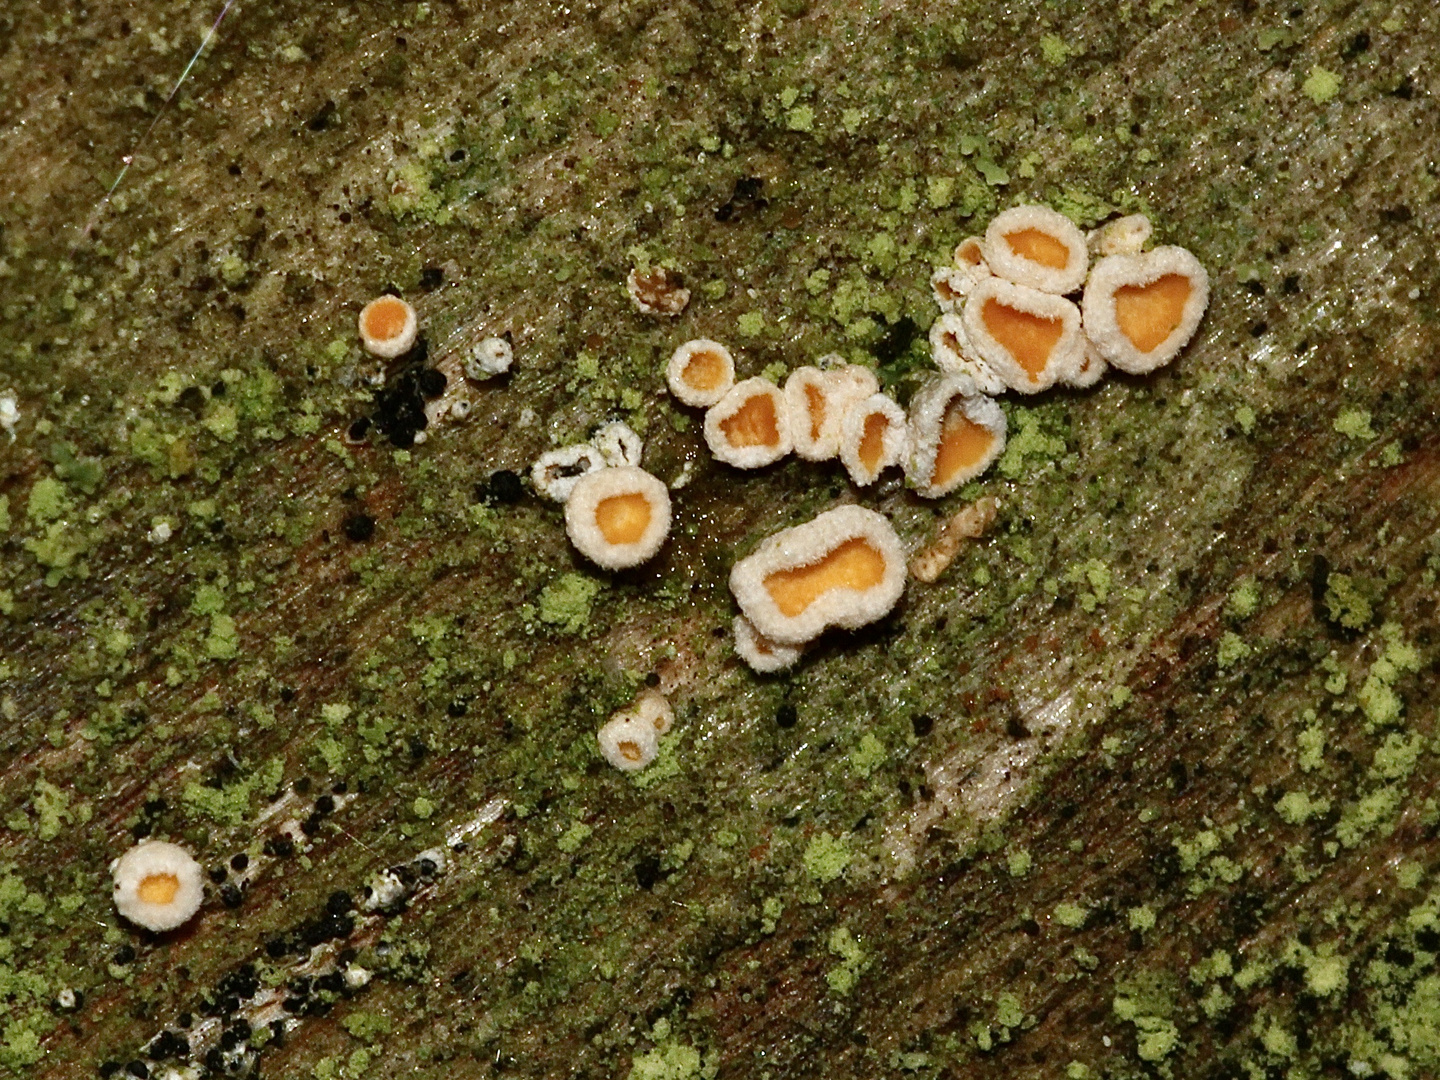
(1024, 310)
(1033, 304)
(1011, 321)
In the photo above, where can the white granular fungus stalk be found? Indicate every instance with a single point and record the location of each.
(491, 356)
(157, 885)
(653, 708)
(762, 654)
(618, 517)
(1140, 310)
(700, 372)
(873, 437)
(628, 742)
(818, 400)
(844, 568)
(750, 426)
(556, 472)
(619, 444)
(951, 350)
(956, 433)
(1030, 339)
(388, 327)
(1037, 247)
(1123, 236)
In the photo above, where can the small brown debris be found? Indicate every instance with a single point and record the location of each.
(968, 523)
(657, 291)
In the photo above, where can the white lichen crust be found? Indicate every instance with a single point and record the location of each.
(1150, 270)
(1023, 264)
(748, 435)
(762, 654)
(1009, 353)
(760, 581)
(619, 444)
(618, 517)
(863, 458)
(818, 400)
(379, 332)
(938, 408)
(628, 742)
(490, 357)
(556, 472)
(9, 414)
(700, 372)
(157, 885)
(952, 353)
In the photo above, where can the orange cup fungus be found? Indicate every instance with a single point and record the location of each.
(955, 435)
(951, 284)
(388, 327)
(1030, 339)
(630, 738)
(873, 437)
(817, 400)
(970, 255)
(1037, 247)
(618, 517)
(951, 350)
(843, 568)
(1091, 370)
(700, 372)
(762, 654)
(750, 426)
(1140, 310)
(157, 885)
(628, 742)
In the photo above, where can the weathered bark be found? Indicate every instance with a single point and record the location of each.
(1178, 703)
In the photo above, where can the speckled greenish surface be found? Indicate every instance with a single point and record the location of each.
(1146, 784)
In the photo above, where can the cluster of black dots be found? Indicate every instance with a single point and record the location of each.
(399, 413)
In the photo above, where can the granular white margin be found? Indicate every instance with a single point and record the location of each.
(805, 545)
(594, 488)
(894, 445)
(928, 408)
(150, 859)
(1114, 272)
(1004, 261)
(757, 455)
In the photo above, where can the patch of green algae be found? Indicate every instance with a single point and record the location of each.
(881, 174)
